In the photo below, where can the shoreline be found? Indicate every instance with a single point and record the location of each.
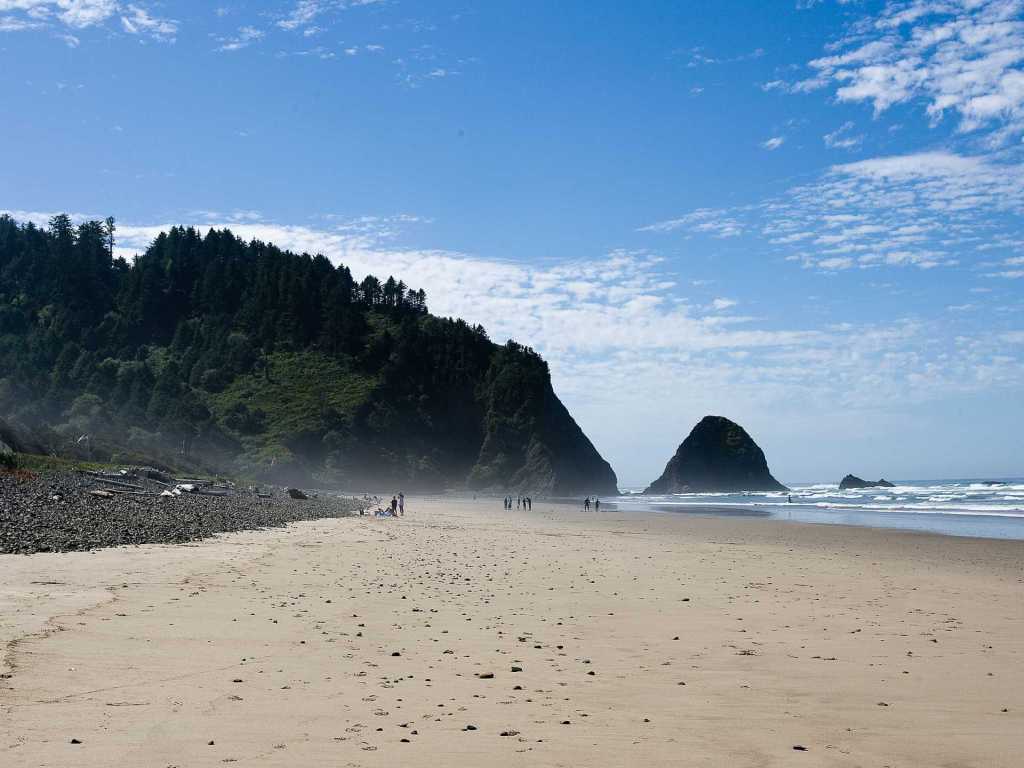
(799, 631)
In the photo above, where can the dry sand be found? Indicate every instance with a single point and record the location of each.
(613, 640)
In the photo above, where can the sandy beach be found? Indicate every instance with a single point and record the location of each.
(464, 635)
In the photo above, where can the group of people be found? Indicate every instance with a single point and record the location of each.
(522, 502)
(596, 503)
(395, 509)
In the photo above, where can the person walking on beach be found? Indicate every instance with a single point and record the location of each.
(597, 504)
(529, 503)
(401, 504)
(586, 504)
(394, 506)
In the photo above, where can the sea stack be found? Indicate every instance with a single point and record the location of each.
(852, 482)
(717, 456)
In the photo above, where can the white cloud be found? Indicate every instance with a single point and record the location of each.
(926, 209)
(81, 14)
(85, 13)
(138, 21)
(716, 222)
(245, 37)
(961, 57)
(722, 304)
(305, 12)
(302, 14)
(841, 138)
(773, 143)
(14, 24)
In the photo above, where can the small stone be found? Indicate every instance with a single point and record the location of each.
(75, 741)
(469, 728)
(799, 748)
(517, 669)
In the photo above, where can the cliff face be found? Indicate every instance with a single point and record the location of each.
(531, 442)
(496, 425)
(718, 455)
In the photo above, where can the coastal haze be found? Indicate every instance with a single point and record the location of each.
(407, 382)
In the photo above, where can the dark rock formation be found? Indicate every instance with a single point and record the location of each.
(718, 455)
(852, 482)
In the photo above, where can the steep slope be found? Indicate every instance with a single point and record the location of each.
(213, 353)
(718, 455)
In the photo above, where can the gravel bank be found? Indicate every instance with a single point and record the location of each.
(56, 513)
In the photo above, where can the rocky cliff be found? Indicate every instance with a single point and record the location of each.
(718, 455)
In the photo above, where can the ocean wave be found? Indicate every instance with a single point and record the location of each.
(998, 510)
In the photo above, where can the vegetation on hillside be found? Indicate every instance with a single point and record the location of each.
(211, 352)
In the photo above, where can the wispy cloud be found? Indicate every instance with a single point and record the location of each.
(716, 222)
(926, 209)
(243, 38)
(773, 143)
(82, 14)
(962, 57)
(304, 12)
(138, 21)
(843, 137)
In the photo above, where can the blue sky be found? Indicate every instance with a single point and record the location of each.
(805, 215)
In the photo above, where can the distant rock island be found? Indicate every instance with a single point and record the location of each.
(852, 482)
(718, 455)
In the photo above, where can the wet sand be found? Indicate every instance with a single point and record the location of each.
(464, 635)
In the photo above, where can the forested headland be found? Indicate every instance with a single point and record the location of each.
(208, 352)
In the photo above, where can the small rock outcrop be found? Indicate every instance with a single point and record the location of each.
(852, 482)
(717, 456)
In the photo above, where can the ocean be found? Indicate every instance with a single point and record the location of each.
(977, 508)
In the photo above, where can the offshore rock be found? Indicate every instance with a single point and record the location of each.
(852, 482)
(717, 456)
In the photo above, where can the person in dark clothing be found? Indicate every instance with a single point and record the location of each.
(586, 504)
(529, 503)
(597, 504)
(394, 506)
